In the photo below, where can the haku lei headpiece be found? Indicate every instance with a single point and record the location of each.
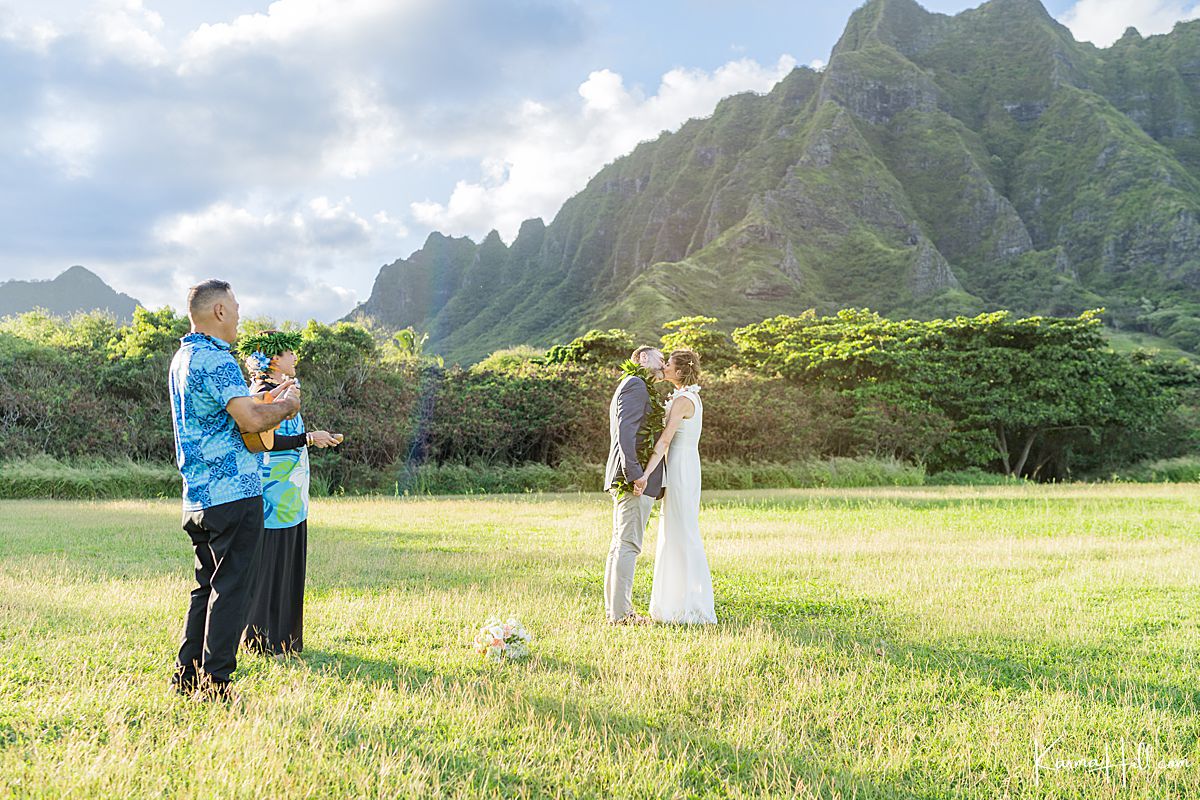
(259, 348)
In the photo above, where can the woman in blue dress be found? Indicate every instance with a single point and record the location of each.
(275, 620)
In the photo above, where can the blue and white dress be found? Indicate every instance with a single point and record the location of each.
(285, 479)
(275, 623)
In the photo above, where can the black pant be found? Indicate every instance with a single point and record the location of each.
(275, 619)
(228, 543)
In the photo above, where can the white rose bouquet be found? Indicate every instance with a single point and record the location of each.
(503, 641)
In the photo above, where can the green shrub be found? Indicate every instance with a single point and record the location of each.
(509, 360)
(718, 475)
(716, 350)
(1185, 469)
(594, 347)
(973, 476)
(86, 388)
(845, 473)
(836, 473)
(46, 477)
(87, 479)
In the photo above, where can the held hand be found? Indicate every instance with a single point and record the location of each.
(290, 398)
(280, 390)
(323, 439)
(639, 486)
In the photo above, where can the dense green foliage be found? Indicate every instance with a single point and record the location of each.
(1036, 397)
(594, 347)
(1030, 393)
(716, 350)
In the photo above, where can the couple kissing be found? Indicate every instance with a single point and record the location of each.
(654, 456)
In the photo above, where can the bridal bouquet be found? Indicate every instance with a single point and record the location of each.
(501, 641)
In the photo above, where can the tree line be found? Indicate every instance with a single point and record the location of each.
(1035, 397)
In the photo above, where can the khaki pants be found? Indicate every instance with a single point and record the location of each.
(630, 517)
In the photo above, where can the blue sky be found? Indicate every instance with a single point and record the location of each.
(298, 146)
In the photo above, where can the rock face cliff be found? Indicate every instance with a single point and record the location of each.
(938, 165)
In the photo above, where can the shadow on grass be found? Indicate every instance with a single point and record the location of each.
(394, 673)
(822, 615)
(400, 554)
(866, 627)
(374, 564)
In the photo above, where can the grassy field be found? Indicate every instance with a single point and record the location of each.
(924, 642)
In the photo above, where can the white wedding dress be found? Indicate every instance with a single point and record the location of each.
(682, 590)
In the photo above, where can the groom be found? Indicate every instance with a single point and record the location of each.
(627, 416)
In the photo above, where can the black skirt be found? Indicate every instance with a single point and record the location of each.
(275, 622)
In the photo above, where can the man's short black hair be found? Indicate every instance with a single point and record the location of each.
(204, 293)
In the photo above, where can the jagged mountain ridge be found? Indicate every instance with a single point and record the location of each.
(938, 165)
(75, 290)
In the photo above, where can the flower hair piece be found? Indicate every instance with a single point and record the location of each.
(258, 362)
(258, 349)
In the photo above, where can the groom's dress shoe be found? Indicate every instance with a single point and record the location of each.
(219, 691)
(632, 618)
(185, 685)
(183, 688)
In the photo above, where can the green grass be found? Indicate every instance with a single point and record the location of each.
(904, 642)
(86, 478)
(1129, 341)
(44, 477)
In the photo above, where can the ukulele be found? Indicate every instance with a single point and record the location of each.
(261, 441)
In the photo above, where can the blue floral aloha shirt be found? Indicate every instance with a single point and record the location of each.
(214, 462)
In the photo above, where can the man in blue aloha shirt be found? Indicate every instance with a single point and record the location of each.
(222, 485)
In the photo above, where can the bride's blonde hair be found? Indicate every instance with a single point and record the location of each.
(687, 363)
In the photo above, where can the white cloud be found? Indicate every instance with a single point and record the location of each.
(297, 25)
(36, 35)
(1103, 21)
(125, 30)
(604, 90)
(369, 133)
(543, 155)
(288, 262)
(118, 30)
(159, 153)
(66, 136)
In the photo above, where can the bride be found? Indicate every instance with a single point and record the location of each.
(682, 590)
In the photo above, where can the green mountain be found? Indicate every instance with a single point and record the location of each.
(75, 290)
(937, 165)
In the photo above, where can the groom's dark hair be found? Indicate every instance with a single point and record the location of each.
(638, 352)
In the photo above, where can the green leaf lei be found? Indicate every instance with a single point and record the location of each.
(652, 426)
(269, 343)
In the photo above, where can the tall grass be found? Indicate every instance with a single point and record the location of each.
(1170, 470)
(87, 479)
(93, 479)
(974, 642)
